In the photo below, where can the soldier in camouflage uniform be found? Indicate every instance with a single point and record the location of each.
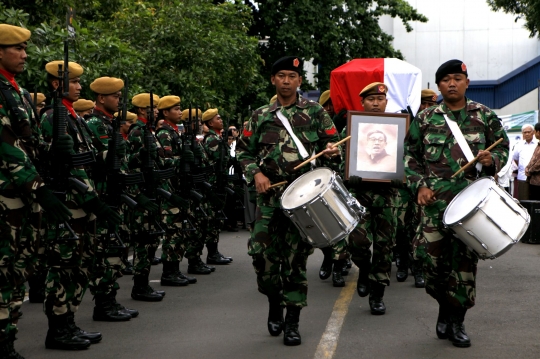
(106, 269)
(22, 188)
(174, 215)
(268, 154)
(218, 155)
(378, 225)
(336, 257)
(432, 155)
(68, 259)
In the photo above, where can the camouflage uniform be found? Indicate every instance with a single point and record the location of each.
(432, 155)
(68, 260)
(18, 179)
(279, 254)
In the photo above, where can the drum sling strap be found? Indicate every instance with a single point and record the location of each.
(462, 142)
(295, 139)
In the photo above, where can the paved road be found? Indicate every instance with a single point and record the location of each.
(223, 316)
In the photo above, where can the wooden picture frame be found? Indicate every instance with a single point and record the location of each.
(375, 150)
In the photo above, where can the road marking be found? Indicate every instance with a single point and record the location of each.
(328, 343)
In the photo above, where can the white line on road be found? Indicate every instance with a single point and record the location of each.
(328, 343)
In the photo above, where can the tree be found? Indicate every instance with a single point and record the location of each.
(330, 32)
(524, 9)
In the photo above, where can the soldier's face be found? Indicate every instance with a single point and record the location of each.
(110, 102)
(174, 114)
(286, 83)
(376, 143)
(74, 89)
(453, 87)
(426, 104)
(13, 58)
(329, 107)
(124, 128)
(216, 123)
(40, 106)
(375, 103)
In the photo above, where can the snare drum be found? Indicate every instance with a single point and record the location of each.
(486, 218)
(321, 207)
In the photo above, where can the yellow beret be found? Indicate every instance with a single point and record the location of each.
(107, 85)
(429, 94)
(83, 105)
(142, 100)
(168, 101)
(75, 70)
(324, 97)
(130, 116)
(209, 114)
(273, 99)
(13, 35)
(375, 88)
(40, 97)
(185, 114)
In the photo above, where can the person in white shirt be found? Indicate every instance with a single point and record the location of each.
(522, 155)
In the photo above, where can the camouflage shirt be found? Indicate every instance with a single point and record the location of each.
(266, 146)
(19, 145)
(432, 153)
(99, 123)
(214, 146)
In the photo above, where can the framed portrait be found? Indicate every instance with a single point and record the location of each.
(375, 150)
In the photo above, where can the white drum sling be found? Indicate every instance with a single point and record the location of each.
(486, 218)
(321, 207)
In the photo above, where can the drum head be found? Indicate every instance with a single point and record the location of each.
(467, 200)
(307, 187)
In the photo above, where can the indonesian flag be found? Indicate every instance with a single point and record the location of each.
(404, 83)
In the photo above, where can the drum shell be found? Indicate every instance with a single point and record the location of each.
(329, 217)
(494, 226)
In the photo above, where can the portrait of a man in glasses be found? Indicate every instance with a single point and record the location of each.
(374, 152)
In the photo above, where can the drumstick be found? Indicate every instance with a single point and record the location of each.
(278, 184)
(476, 158)
(322, 152)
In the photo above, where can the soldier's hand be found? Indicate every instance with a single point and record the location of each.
(484, 157)
(426, 196)
(187, 156)
(102, 211)
(54, 208)
(64, 144)
(330, 151)
(262, 183)
(146, 203)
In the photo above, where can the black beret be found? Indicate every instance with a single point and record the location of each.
(450, 67)
(290, 63)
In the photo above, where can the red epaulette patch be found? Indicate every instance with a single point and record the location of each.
(247, 133)
(331, 131)
(104, 136)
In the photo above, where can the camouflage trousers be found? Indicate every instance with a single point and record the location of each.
(376, 228)
(449, 265)
(406, 213)
(174, 244)
(279, 257)
(216, 222)
(18, 247)
(68, 261)
(337, 251)
(200, 217)
(108, 264)
(147, 234)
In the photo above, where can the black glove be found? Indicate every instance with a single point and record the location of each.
(64, 144)
(197, 152)
(102, 211)
(179, 201)
(355, 181)
(397, 183)
(146, 204)
(187, 156)
(52, 205)
(152, 149)
(121, 149)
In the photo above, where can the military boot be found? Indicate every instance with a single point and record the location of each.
(170, 275)
(214, 257)
(402, 265)
(291, 333)
(212, 268)
(442, 321)
(134, 313)
(155, 261)
(275, 315)
(376, 303)
(191, 280)
(36, 282)
(92, 337)
(337, 274)
(60, 336)
(418, 274)
(142, 290)
(7, 349)
(105, 310)
(456, 329)
(196, 266)
(363, 284)
(128, 270)
(326, 268)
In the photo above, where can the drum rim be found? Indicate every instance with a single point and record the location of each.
(473, 211)
(313, 200)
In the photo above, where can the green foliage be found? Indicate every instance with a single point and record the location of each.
(529, 10)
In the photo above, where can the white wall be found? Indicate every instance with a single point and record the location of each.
(490, 43)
